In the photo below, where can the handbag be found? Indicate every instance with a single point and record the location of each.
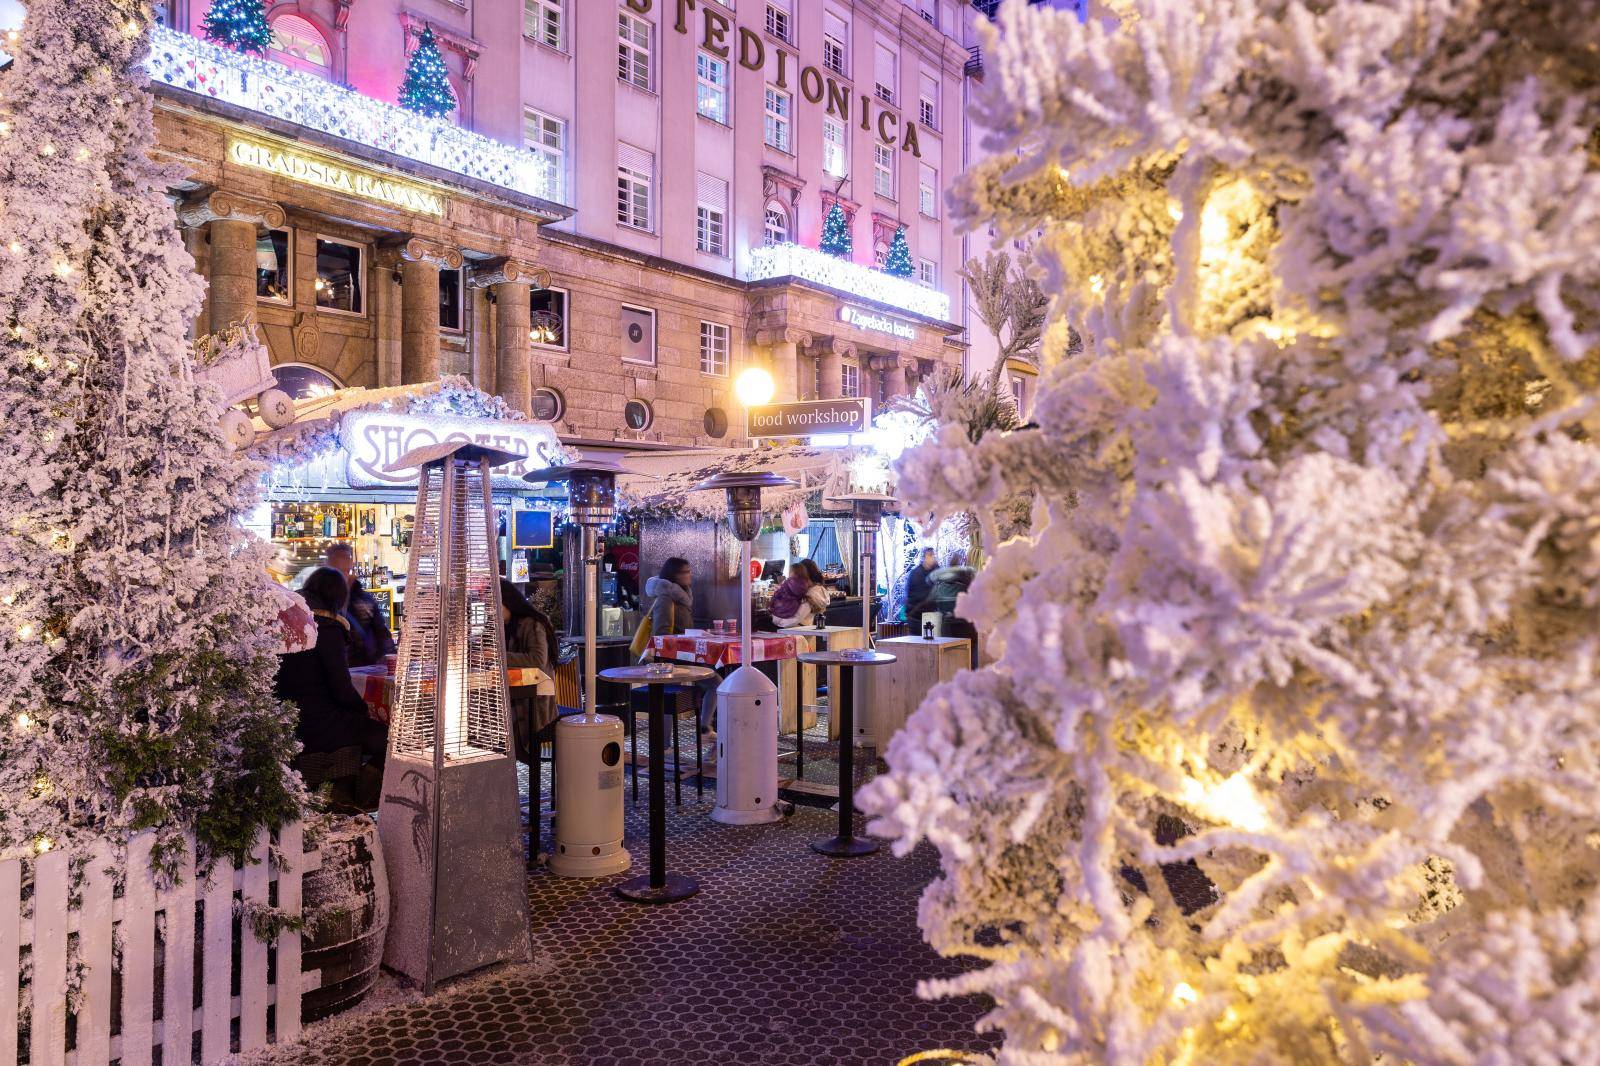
(641, 637)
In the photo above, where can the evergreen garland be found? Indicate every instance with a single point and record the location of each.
(426, 88)
(899, 262)
(239, 24)
(836, 233)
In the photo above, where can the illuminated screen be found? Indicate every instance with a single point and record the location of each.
(532, 529)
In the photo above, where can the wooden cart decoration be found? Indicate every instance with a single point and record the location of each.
(235, 360)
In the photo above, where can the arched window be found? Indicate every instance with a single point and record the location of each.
(302, 382)
(777, 224)
(299, 44)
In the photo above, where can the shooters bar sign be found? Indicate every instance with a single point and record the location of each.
(805, 418)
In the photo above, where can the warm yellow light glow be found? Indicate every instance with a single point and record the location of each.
(63, 269)
(43, 844)
(1230, 800)
(47, 149)
(130, 28)
(42, 786)
(8, 599)
(1176, 211)
(83, 155)
(754, 387)
(24, 722)
(1097, 284)
(1184, 994)
(25, 631)
(5, 129)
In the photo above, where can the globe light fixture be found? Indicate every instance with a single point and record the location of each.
(754, 387)
(747, 700)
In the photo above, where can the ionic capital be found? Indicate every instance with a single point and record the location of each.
(232, 206)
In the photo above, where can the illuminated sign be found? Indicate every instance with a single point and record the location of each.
(311, 170)
(803, 418)
(876, 323)
(375, 440)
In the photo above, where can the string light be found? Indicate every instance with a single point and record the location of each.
(25, 631)
(5, 129)
(47, 149)
(63, 269)
(1183, 994)
(1231, 801)
(43, 844)
(24, 722)
(1097, 284)
(83, 155)
(16, 249)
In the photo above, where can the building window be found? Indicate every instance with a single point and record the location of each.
(777, 122)
(340, 279)
(850, 380)
(633, 50)
(274, 258)
(778, 21)
(776, 225)
(299, 44)
(548, 405)
(638, 335)
(1019, 395)
(546, 136)
(542, 20)
(835, 148)
(929, 13)
(928, 273)
(714, 349)
(547, 318)
(635, 174)
(711, 215)
(928, 102)
(711, 96)
(880, 254)
(304, 382)
(883, 66)
(835, 32)
(928, 191)
(883, 170)
(452, 302)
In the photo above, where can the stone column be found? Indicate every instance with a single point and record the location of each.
(894, 377)
(386, 316)
(420, 261)
(786, 363)
(833, 357)
(233, 221)
(513, 369)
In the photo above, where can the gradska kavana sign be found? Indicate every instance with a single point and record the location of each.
(877, 323)
(374, 440)
(815, 86)
(311, 170)
(805, 418)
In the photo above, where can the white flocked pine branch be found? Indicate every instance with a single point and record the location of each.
(1309, 610)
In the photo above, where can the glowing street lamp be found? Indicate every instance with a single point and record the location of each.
(747, 701)
(754, 387)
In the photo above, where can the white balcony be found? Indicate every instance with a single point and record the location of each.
(266, 88)
(853, 279)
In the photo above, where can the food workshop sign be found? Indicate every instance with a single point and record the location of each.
(374, 440)
(805, 418)
(721, 38)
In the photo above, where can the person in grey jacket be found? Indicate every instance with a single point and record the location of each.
(671, 613)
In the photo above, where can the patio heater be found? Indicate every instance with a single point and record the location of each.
(448, 817)
(868, 509)
(588, 746)
(747, 701)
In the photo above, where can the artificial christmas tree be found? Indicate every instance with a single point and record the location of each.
(898, 262)
(136, 631)
(239, 24)
(1291, 748)
(836, 238)
(426, 88)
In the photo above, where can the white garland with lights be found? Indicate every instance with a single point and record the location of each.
(853, 279)
(1310, 595)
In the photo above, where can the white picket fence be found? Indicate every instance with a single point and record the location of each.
(85, 928)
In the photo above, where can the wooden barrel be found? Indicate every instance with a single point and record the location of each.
(346, 908)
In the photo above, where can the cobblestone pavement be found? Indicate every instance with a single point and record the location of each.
(785, 957)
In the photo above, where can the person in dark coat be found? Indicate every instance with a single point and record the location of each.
(370, 639)
(919, 584)
(332, 714)
(530, 644)
(672, 613)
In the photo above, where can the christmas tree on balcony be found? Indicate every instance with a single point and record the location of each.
(898, 262)
(239, 24)
(1289, 751)
(836, 238)
(136, 628)
(426, 88)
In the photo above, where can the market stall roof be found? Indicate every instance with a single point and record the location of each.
(670, 488)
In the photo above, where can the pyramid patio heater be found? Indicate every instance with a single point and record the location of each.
(747, 701)
(588, 746)
(868, 509)
(448, 818)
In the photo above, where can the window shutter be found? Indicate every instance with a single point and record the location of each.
(713, 192)
(930, 88)
(885, 67)
(636, 159)
(834, 27)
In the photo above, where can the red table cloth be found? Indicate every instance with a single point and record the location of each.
(377, 687)
(722, 650)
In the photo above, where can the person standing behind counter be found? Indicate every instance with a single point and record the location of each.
(370, 639)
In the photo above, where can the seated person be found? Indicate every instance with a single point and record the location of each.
(332, 714)
(801, 598)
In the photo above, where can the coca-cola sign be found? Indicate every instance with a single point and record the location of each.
(374, 440)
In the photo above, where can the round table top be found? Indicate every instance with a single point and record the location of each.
(847, 657)
(642, 675)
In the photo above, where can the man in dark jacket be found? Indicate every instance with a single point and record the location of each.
(370, 639)
(918, 585)
(332, 714)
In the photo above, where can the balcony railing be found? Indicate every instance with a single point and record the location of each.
(267, 88)
(808, 264)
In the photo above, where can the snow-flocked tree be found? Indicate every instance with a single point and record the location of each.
(1290, 751)
(1010, 304)
(136, 636)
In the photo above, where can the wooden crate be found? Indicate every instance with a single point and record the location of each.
(892, 692)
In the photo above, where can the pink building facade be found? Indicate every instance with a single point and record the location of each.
(621, 214)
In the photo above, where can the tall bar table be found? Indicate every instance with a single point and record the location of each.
(658, 886)
(846, 843)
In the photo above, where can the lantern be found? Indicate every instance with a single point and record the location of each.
(747, 701)
(449, 817)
